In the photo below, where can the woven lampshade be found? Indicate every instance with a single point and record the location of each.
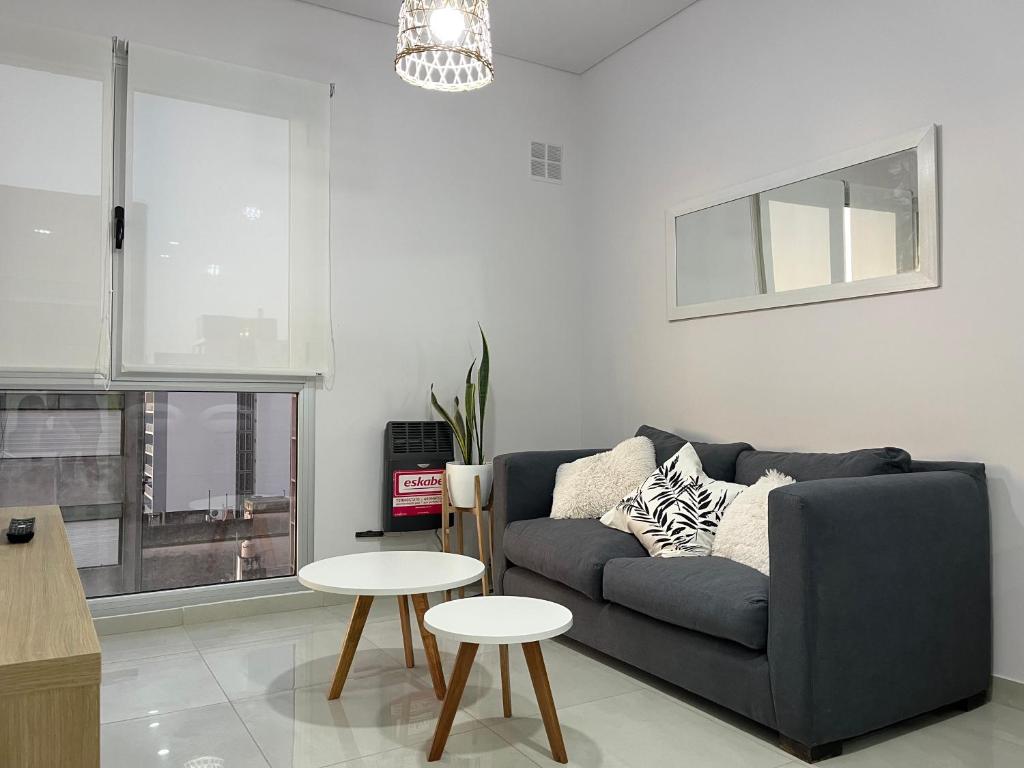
(445, 45)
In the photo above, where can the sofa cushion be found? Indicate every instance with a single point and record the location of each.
(751, 465)
(571, 552)
(718, 459)
(712, 595)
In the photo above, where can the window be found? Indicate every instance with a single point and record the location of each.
(220, 281)
(221, 175)
(55, 139)
(225, 254)
(159, 490)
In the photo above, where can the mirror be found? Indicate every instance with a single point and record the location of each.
(860, 224)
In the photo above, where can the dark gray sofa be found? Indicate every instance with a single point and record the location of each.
(878, 607)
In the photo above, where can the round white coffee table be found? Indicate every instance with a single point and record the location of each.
(371, 574)
(499, 620)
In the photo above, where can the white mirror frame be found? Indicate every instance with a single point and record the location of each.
(927, 276)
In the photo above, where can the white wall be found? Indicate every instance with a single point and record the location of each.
(436, 225)
(430, 236)
(731, 90)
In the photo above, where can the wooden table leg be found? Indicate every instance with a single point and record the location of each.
(478, 514)
(463, 664)
(490, 538)
(348, 649)
(445, 513)
(506, 687)
(481, 545)
(420, 605)
(541, 687)
(403, 613)
(446, 534)
(460, 540)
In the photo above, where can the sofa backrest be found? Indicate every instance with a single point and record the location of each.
(975, 470)
(751, 465)
(718, 459)
(741, 463)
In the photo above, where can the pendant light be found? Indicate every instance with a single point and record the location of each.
(445, 45)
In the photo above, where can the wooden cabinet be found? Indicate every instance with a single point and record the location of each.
(49, 652)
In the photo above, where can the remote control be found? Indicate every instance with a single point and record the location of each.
(21, 530)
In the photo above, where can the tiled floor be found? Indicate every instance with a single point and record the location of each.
(251, 693)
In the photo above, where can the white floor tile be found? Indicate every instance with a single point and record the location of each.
(155, 686)
(481, 748)
(637, 730)
(148, 644)
(575, 679)
(992, 721)
(382, 609)
(276, 669)
(386, 634)
(258, 669)
(376, 712)
(210, 737)
(989, 737)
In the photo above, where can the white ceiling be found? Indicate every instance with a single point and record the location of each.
(573, 35)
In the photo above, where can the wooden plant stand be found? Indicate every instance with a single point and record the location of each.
(485, 545)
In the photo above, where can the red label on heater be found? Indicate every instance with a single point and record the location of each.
(416, 492)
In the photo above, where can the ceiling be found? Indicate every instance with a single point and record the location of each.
(572, 35)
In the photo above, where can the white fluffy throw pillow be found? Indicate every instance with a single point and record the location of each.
(587, 487)
(743, 533)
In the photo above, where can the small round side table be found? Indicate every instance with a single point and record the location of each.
(400, 574)
(499, 620)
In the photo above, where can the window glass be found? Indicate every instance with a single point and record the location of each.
(226, 252)
(158, 490)
(54, 146)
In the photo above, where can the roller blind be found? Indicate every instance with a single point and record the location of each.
(55, 149)
(225, 261)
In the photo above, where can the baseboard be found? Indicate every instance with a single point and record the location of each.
(224, 609)
(214, 611)
(137, 622)
(250, 606)
(1008, 692)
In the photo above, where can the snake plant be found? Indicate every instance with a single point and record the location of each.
(466, 423)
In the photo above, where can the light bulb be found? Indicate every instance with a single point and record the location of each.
(447, 24)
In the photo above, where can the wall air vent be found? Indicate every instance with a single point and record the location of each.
(546, 162)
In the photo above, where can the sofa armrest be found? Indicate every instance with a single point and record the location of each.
(879, 600)
(523, 487)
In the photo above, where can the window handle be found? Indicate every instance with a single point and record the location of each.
(119, 227)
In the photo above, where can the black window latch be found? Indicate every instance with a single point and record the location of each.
(119, 227)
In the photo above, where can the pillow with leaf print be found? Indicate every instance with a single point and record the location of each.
(686, 461)
(676, 511)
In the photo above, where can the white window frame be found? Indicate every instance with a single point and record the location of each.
(119, 379)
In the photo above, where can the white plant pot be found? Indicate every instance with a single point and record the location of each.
(461, 488)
